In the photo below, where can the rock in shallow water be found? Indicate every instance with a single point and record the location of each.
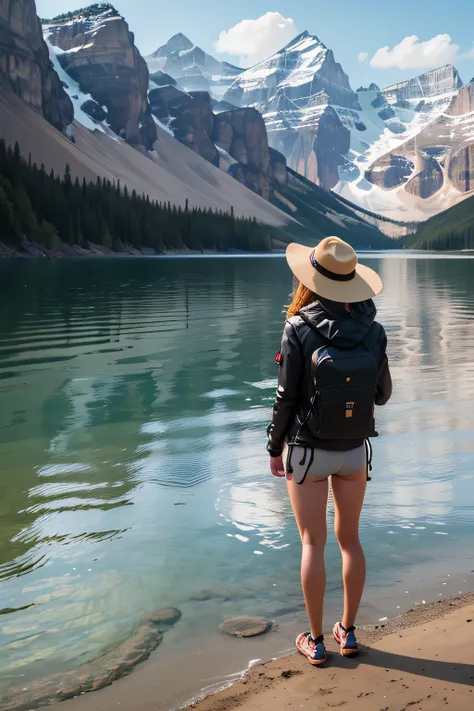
(246, 626)
(167, 616)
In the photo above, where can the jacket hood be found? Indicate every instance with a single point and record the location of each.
(343, 329)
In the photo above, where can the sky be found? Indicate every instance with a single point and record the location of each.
(374, 40)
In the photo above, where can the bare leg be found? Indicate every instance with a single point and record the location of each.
(349, 495)
(309, 502)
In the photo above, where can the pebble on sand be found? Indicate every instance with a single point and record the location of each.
(246, 626)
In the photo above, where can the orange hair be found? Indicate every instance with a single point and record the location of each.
(301, 297)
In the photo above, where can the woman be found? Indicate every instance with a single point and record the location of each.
(333, 369)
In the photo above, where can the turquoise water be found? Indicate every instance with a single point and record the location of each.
(134, 396)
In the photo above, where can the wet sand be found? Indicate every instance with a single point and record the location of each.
(423, 660)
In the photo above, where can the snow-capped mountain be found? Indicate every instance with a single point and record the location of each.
(304, 72)
(391, 151)
(191, 67)
(361, 144)
(405, 145)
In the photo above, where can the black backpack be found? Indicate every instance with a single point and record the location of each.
(345, 386)
(345, 381)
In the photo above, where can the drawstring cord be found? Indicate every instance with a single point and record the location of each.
(289, 468)
(369, 452)
(311, 459)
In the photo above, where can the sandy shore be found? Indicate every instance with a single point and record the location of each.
(423, 660)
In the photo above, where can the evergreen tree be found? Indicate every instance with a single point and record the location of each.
(9, 227)
(54, 209)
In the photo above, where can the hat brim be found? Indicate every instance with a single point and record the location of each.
(365, 285)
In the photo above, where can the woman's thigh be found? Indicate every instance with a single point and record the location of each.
(309, 502)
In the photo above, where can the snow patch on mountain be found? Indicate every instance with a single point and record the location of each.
(77, 97)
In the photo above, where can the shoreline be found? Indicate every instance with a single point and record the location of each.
(115, 673)
(423, 658)
(33, 250)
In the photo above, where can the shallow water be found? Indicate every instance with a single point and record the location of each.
(134, 396)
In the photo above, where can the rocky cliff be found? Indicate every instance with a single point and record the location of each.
(443, 80)
(25, 66)
(234, 140)
(96, 49)
(317, 148)
(242, 134)
(428, 180)
(463, 102)
(189, 116)
(461, 168)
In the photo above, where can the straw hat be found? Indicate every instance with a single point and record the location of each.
(332, 271)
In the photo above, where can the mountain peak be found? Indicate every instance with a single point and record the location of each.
(303, 35)
(177, 43)
(302, 41)
(181, 39)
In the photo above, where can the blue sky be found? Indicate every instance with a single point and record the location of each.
(419, 34)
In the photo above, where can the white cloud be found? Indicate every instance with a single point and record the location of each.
(255, 40)
(411, 53)
(363, 56)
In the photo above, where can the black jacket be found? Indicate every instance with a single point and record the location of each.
(329, 322)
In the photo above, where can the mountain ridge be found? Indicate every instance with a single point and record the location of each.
(364, 144)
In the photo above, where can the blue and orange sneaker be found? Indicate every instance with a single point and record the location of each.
(313, 649)
(346, 640)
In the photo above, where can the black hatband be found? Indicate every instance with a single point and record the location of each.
(328, 274)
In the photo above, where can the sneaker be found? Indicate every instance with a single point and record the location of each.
(346, 640)
(313, 649)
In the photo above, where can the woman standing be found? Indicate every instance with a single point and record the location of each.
(333, 370)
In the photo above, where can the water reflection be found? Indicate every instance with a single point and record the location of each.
(134, 397)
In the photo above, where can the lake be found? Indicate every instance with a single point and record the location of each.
(134, 397)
